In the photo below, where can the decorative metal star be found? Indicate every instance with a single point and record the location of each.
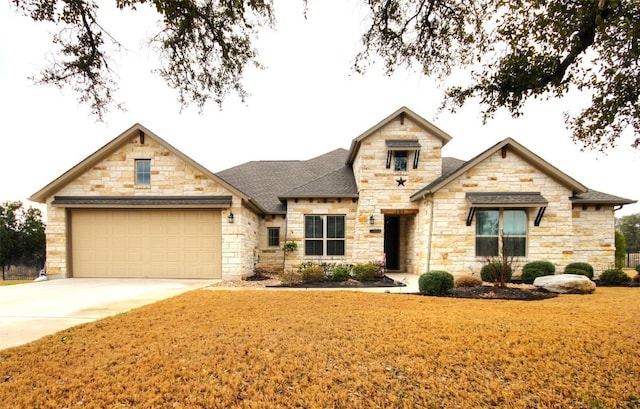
(401, 181)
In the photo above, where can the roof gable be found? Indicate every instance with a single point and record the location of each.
(136, 131)
(405, 112)
(506, 145)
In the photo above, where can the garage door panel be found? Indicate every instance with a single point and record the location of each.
(146, 243)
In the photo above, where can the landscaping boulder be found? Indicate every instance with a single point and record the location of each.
(566, 284)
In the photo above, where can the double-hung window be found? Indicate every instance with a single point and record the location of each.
(143, 172)
(324, 235)
(513, 225)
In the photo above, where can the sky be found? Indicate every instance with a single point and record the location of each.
(307, 101)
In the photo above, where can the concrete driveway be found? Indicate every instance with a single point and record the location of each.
(33, 310)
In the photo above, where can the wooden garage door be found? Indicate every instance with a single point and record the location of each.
(146, 243)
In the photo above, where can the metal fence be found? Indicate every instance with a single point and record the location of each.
(20, 272)
(632, 260)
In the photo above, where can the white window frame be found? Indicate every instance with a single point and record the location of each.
(141, 173)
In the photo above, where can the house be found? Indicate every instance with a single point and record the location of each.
(138, 207)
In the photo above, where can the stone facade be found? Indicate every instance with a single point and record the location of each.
(170, 176)
(413, 213)
(453, 243)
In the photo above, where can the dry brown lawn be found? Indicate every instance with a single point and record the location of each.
(313, 349)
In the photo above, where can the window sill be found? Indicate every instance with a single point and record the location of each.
(142, 186)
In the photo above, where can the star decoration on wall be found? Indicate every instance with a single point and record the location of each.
(401, 181)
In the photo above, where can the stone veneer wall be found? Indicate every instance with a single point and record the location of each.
(115, 176)
(295, 228)
(453, 243)
(594, 236)
(239, 243)
(272, 258)
(378, 190)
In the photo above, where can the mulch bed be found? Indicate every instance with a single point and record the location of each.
(351, 283)
(506, 293)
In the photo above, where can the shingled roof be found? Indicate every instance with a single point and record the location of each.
(265, 181)
(595, 197)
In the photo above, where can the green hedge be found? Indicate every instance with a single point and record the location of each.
(584, 269)
(340, 273)
(435, 283)
(364, 272)
(614, 276)
(491, 272)
(536, 269)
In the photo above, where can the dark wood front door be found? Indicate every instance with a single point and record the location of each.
(392, 241)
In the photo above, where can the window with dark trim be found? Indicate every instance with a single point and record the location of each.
(513, 225)
(143, 172)
(324, 235)
(273, 236)
(400, 161)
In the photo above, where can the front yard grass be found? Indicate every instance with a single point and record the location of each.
(313, 349)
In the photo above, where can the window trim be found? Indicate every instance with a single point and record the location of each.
(139, 174)
(500, 231)
(270, 237)
(325, 235)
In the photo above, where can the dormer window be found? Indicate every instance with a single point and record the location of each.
(400, 161)
(399, 151)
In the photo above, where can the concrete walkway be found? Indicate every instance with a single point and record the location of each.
(32, 310)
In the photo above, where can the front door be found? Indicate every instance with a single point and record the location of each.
(392, 241)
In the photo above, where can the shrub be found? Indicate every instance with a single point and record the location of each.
(291, 278)
(536, 269)
(638, 268)
(584, 269)
(490, 272)
(365, 272)
(546, 267)
(435, 283)
(340, 273)
(467, 281)
(312, 274)
(614, 276)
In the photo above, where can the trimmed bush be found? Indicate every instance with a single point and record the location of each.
(435, 283)
(536, 269)
(467, 281)
(364, 272)
(546, 267)
(491, 272)
(584, 269)
(614, 276)
(312, 274)
(340, 273)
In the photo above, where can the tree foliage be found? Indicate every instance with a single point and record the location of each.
(515, 51)
(630, 227)
(204, 46)
(22, 236)
(518, 50)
